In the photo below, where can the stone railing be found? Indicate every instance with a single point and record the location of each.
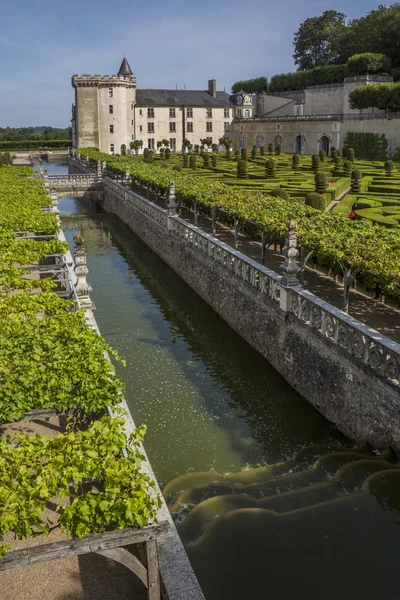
(64, 183)
(355, 338)
(146, 207)
(259, 277)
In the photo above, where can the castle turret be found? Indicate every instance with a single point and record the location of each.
(104, 110)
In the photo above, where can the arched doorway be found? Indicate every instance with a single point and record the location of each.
(259, 140)
(324, 144)
(241, 141)
(278, 141)
(299, 149)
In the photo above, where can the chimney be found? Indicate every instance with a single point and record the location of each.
(212, 88)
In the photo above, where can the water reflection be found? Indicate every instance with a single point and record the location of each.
(210, 401)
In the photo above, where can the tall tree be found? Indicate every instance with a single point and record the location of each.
(317, 42)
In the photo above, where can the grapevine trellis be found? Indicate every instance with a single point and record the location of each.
(54, 363)
(331, 240)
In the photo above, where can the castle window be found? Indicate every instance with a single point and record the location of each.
(172, 127)
(111, 128)
(226, 126)
(141, 128)
(246, 114)
(110, 92)
(209, 113)
(226, 113)
(150, 143)
(111, 109)
(150, 113)
(150, 127)
(111, 148)
(209, 126)
(172, 143)
(132, 121)
(140, 112)
(239, 113)
(189, 127)
(189, 113)
(172, 114)
(133, 137)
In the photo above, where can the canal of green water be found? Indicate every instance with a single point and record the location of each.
(223, 428)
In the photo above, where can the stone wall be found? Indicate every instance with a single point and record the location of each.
(335, 362)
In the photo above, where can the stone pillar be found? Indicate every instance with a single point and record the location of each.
(127, 175)
(99, 174)
(290, 268)
(103, 165)
(171, 205)
(82, 287)
(87, 158)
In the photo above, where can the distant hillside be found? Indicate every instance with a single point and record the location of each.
(39, 133)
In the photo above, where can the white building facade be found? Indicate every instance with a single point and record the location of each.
(111, 112)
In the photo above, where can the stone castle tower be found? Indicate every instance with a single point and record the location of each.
(102, 116)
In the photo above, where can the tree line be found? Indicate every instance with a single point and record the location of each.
(19, 134)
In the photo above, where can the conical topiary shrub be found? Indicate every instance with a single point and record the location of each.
(321, 182)
(316, 201)
(351, 155)
(270, 148)
(315, 162)
(270, 168)
(214, 160)
(279, 193)
(278, 149)
(295, 162)
(254, 152)
(262, 150)
(355, 183)
(347, 168)
(206, 159)
(185, 161)
(193, 161)
(322, 155)
(389, 167)
(242, 169)
(243, 153)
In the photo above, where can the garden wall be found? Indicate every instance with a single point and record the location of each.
(349, 372)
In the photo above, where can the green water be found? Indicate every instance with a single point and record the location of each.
(208, 399)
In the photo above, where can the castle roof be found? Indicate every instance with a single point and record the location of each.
(200, 98)
(125, 68)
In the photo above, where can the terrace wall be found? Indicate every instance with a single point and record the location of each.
(346, 370)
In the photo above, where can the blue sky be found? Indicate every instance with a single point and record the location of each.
(167, 43)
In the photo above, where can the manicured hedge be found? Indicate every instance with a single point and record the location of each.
(35, 145)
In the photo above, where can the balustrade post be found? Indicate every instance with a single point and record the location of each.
(236, 232)
(290, 268)
(195, 213)
(99, 174)
(82, 287)
(214, 220)
(263, 242)
(127, 175)
(171, 206)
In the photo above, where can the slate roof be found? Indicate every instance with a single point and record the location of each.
(125, 69)
(181, 98)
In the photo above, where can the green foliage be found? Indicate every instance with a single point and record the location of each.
(385, 96)
(162, 153)
(316, 201)
(322, 155)
(389, 167)
(35, 145)
(243, 153)
(297, 81)
(280, 193)
(270, 148)
(295, 162)
(242, 169)
(237, 154)
(167, 153)
(177, 168)
(315, 162)
(262, 150)
(347, 167)
(371, 146)
(339, 153)
(214, 160)
(185, 160)
(270, 168)
(278, 149)
(338, 163)
(35, 134)
(321, 182)
(193, 161)
(258, 85)
(254, 152)
(368, 63)
(351, 155)
(206, 160)
(356, 177)
(54, 467)
(317, 41)
(333, 154)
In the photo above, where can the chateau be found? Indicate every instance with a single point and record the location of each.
(316, 118)
(111, 112)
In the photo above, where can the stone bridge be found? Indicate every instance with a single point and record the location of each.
(74, 185)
